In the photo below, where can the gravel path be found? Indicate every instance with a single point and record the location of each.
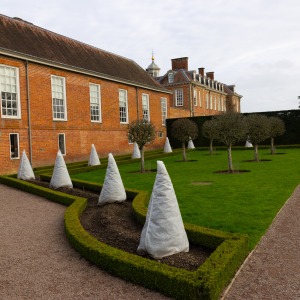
(37, 261)
(272, 271)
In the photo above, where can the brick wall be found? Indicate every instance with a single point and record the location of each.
(80, 132)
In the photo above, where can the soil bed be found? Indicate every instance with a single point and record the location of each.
(114, 224)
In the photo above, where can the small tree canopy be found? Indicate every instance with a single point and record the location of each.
(210, 129)
(184, 130)
(258, 128)
(141, 132)
(277, 127)
(231, 127)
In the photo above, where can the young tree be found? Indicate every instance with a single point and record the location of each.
(141, 132)
(184, 130)
(258, 130)
(232, 128)
(210, 131)
(277, 128)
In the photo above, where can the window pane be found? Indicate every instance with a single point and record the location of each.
(123, 106)
(58, 97)
(145, 107)
(9, 97)
(14, 145)
(61, 143)
(95, 102)
(163, 102)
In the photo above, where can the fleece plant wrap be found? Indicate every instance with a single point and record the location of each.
(60, 176)
(136, 151)
(191, 145)
(113, 189)
(163, 233)
(94, 158)
(167, 147)
(25, 171)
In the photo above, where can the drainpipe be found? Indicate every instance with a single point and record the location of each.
(191, 95)
(137, 102)
(28, 109)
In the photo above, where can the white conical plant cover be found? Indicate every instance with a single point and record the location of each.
(191, 145)
(248, 144)
(25, 171)
(136, 153)
(113, 189)
(94, 158)
(167, 147)
(163, 233)
(60, 176)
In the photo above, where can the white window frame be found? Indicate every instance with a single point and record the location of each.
(18, 146)
(123, 106)
(219, 103)
(62, 147)
(160, 134)
(10, 84)
(164, 110)
(207, 101)
(146, 107)
(170, 77)
(195, 97)
(215, 102)
(95, 103)
(200, 99)
(55, 93)
(210, 102)
(179, 97)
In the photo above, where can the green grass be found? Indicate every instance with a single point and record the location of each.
(243, 203)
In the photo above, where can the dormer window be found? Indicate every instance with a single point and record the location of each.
(171, 77)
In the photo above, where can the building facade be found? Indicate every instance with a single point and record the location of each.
(195, 93)
(58, 93)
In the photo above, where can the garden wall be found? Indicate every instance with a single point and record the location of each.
(291, 118)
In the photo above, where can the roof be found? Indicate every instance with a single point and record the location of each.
(230, 90)
(153, 66)
(18, 37)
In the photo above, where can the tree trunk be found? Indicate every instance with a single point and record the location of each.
(256, 153)
(272, 146)
(183, 151)
(142, 160)
(211, 147)
(230, 167)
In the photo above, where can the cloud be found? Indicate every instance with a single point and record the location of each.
(253, 44)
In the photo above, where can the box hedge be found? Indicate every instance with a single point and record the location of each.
(207, 282)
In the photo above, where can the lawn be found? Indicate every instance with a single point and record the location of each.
(245, 202)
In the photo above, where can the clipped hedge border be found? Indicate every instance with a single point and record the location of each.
(207, 282)
(82, 166)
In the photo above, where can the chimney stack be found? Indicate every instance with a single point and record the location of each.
(201, 71)
(180, 63)
(210, 75)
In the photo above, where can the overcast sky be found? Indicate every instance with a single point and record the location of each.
(252, 44)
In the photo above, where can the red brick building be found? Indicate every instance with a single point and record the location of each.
(195, 93)
(58, 93)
